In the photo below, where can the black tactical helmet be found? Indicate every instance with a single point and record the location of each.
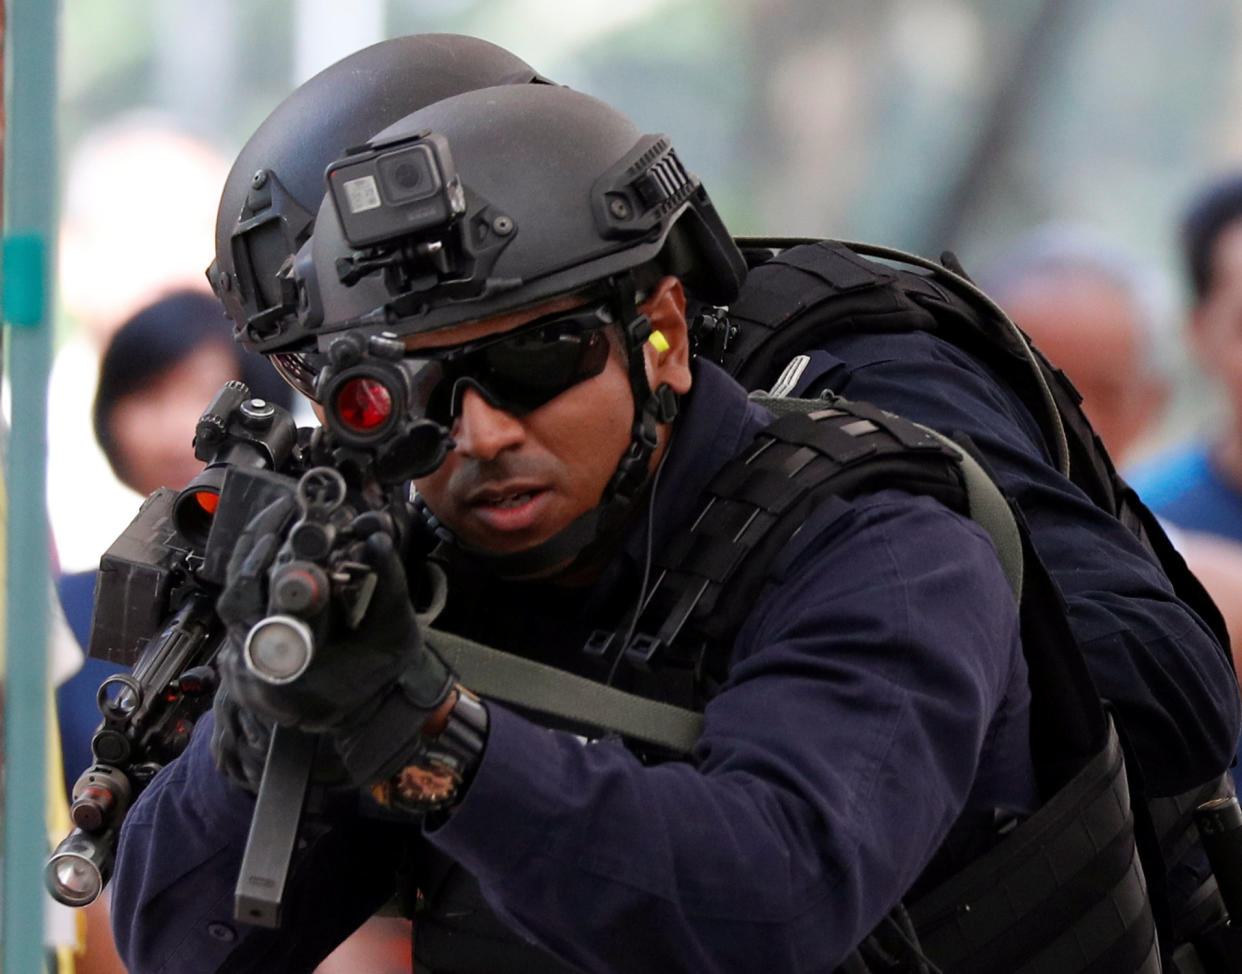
(275, 187)
(500, 198)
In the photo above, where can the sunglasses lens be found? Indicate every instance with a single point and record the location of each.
(298, 369)
(523, 370)
(532, 370)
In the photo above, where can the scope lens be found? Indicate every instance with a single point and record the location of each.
(364, 404)
(195, 506)
(74, 880)
(208, 500)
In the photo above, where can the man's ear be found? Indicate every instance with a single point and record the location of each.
(667, 351)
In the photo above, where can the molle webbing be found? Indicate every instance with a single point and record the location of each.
(1064, 893)
(710, 575)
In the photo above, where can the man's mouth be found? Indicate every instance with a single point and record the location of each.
(510, 509)
(510, 500)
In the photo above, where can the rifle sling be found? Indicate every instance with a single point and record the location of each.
(516, 680)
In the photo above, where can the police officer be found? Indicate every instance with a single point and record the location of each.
(873, 724)
(1153, 658)
(484, 518)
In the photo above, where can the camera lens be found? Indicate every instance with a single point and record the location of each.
(407, 175)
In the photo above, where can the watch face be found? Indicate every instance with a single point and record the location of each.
(441, 767)
(424, 786)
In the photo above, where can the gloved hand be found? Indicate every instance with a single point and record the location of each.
(239, 741)
(240, 737)
(370, 689)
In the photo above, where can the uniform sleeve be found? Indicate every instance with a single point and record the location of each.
(876, 691)
(1165, 673)
(177, 864)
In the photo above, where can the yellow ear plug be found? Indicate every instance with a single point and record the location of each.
(659, 341)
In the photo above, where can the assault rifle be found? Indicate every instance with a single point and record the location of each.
(158, 583)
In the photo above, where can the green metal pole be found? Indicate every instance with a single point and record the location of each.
(26, 303)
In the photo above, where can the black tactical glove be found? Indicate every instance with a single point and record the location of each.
(239, 741)
(370, 688)
(240, 737)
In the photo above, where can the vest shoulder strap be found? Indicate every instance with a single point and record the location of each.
(983, 501)
(710, 575)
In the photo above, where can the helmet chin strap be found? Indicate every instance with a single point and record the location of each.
(577, 544)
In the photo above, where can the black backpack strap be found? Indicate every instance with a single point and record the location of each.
(808, 291)
(982, 501)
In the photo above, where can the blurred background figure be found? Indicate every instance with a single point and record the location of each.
(159, 372)
(137, 222)
(1099, 312)
(1102, 314)
(1198, 484)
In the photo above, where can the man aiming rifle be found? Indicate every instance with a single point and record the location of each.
(869, 730)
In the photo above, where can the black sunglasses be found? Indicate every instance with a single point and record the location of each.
(517, 371)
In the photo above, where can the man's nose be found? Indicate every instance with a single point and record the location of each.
(483, 431)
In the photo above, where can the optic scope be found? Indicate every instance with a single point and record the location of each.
(369, 393)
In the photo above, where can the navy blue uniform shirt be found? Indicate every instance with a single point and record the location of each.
(877, 697)
(1171, 683)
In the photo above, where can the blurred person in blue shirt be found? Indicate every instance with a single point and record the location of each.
(1198, 485)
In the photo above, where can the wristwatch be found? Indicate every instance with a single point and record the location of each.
(436, 775)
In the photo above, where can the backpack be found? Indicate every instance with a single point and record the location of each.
(800, 292)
